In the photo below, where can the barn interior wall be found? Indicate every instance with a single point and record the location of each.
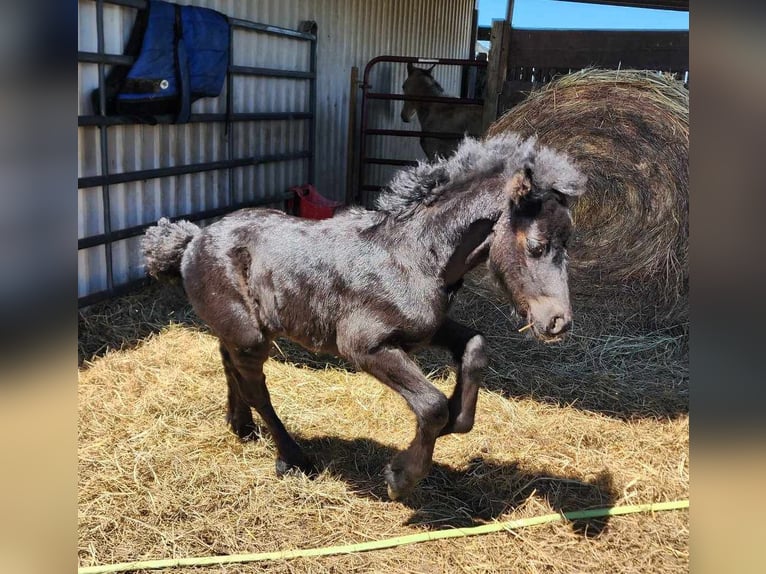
(350, 33)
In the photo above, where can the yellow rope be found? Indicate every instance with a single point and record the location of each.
(380, 544)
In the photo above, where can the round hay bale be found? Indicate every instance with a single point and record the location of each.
(628, 131)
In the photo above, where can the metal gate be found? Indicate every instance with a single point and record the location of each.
(95, 137)
(364, 190)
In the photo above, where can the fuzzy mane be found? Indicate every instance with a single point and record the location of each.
(503, 154)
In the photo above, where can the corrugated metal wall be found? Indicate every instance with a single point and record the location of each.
(350, 33)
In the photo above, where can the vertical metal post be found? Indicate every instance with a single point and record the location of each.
(468, 73)
(362, 136)
(350, 147)
(310, 27)
(104, 148)
(313, 106)
(229, 123)
(509, 13)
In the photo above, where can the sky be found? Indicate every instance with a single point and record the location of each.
(573, 16)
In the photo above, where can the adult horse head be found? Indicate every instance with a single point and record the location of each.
(419, 82)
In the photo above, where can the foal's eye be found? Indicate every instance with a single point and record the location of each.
(535, 248)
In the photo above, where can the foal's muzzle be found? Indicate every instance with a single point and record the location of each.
(550, 319)
(559, 325)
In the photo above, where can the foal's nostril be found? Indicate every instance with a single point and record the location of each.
(558, 325)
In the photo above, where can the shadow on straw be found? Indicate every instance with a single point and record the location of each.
(448, 497)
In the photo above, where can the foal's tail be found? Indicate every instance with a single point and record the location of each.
(164, 245)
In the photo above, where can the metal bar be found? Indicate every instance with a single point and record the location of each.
(101, 58)
(351, 135)
(229, 118)
(385, 161)
(123, 60)
(362, 139)
(312, 108)
(414, 134)
(415, 60)
(656, 4)
(123, 289)
(271, 72)
(465, 76)
(128, 232)
(436, 99)
(274, 30)
(509, 12)
(138, 4)
(93, 120)
(129, 176)
(104, 145)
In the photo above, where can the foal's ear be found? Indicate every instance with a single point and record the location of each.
(519, 185)
(410, 67)
(431, 68)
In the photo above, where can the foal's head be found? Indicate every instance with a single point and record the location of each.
(528, 254)
(419, 82)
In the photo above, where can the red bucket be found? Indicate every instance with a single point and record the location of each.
(311, 204)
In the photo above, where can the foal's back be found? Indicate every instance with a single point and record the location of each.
(258, 274)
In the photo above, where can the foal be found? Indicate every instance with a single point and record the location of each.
(372, 286)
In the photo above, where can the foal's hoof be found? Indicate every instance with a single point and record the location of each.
(398, 483)
(243, 427)
(304, 466)
(246, 432)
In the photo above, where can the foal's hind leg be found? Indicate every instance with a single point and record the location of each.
(250, 382)
(468, 349)
(238, 414)
(393, 367)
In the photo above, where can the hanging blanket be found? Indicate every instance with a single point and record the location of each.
(181, 54)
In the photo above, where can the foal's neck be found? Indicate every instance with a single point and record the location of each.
(455, 232)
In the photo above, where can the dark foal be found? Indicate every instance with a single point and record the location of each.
(372, 286)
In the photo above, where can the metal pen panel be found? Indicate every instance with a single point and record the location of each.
(381, 157)
(130, 174)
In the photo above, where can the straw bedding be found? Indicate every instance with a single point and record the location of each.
(600, 419)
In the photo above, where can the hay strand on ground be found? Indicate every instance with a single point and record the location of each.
(595, 421)
(628, 131)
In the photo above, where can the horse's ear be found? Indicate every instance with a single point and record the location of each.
(431, 68)
(410, 67)
(519, 185)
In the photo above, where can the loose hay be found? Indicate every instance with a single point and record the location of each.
(598, 420)
(628, 131)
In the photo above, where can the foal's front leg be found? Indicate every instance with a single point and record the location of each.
(396, 369)
(468, 347)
